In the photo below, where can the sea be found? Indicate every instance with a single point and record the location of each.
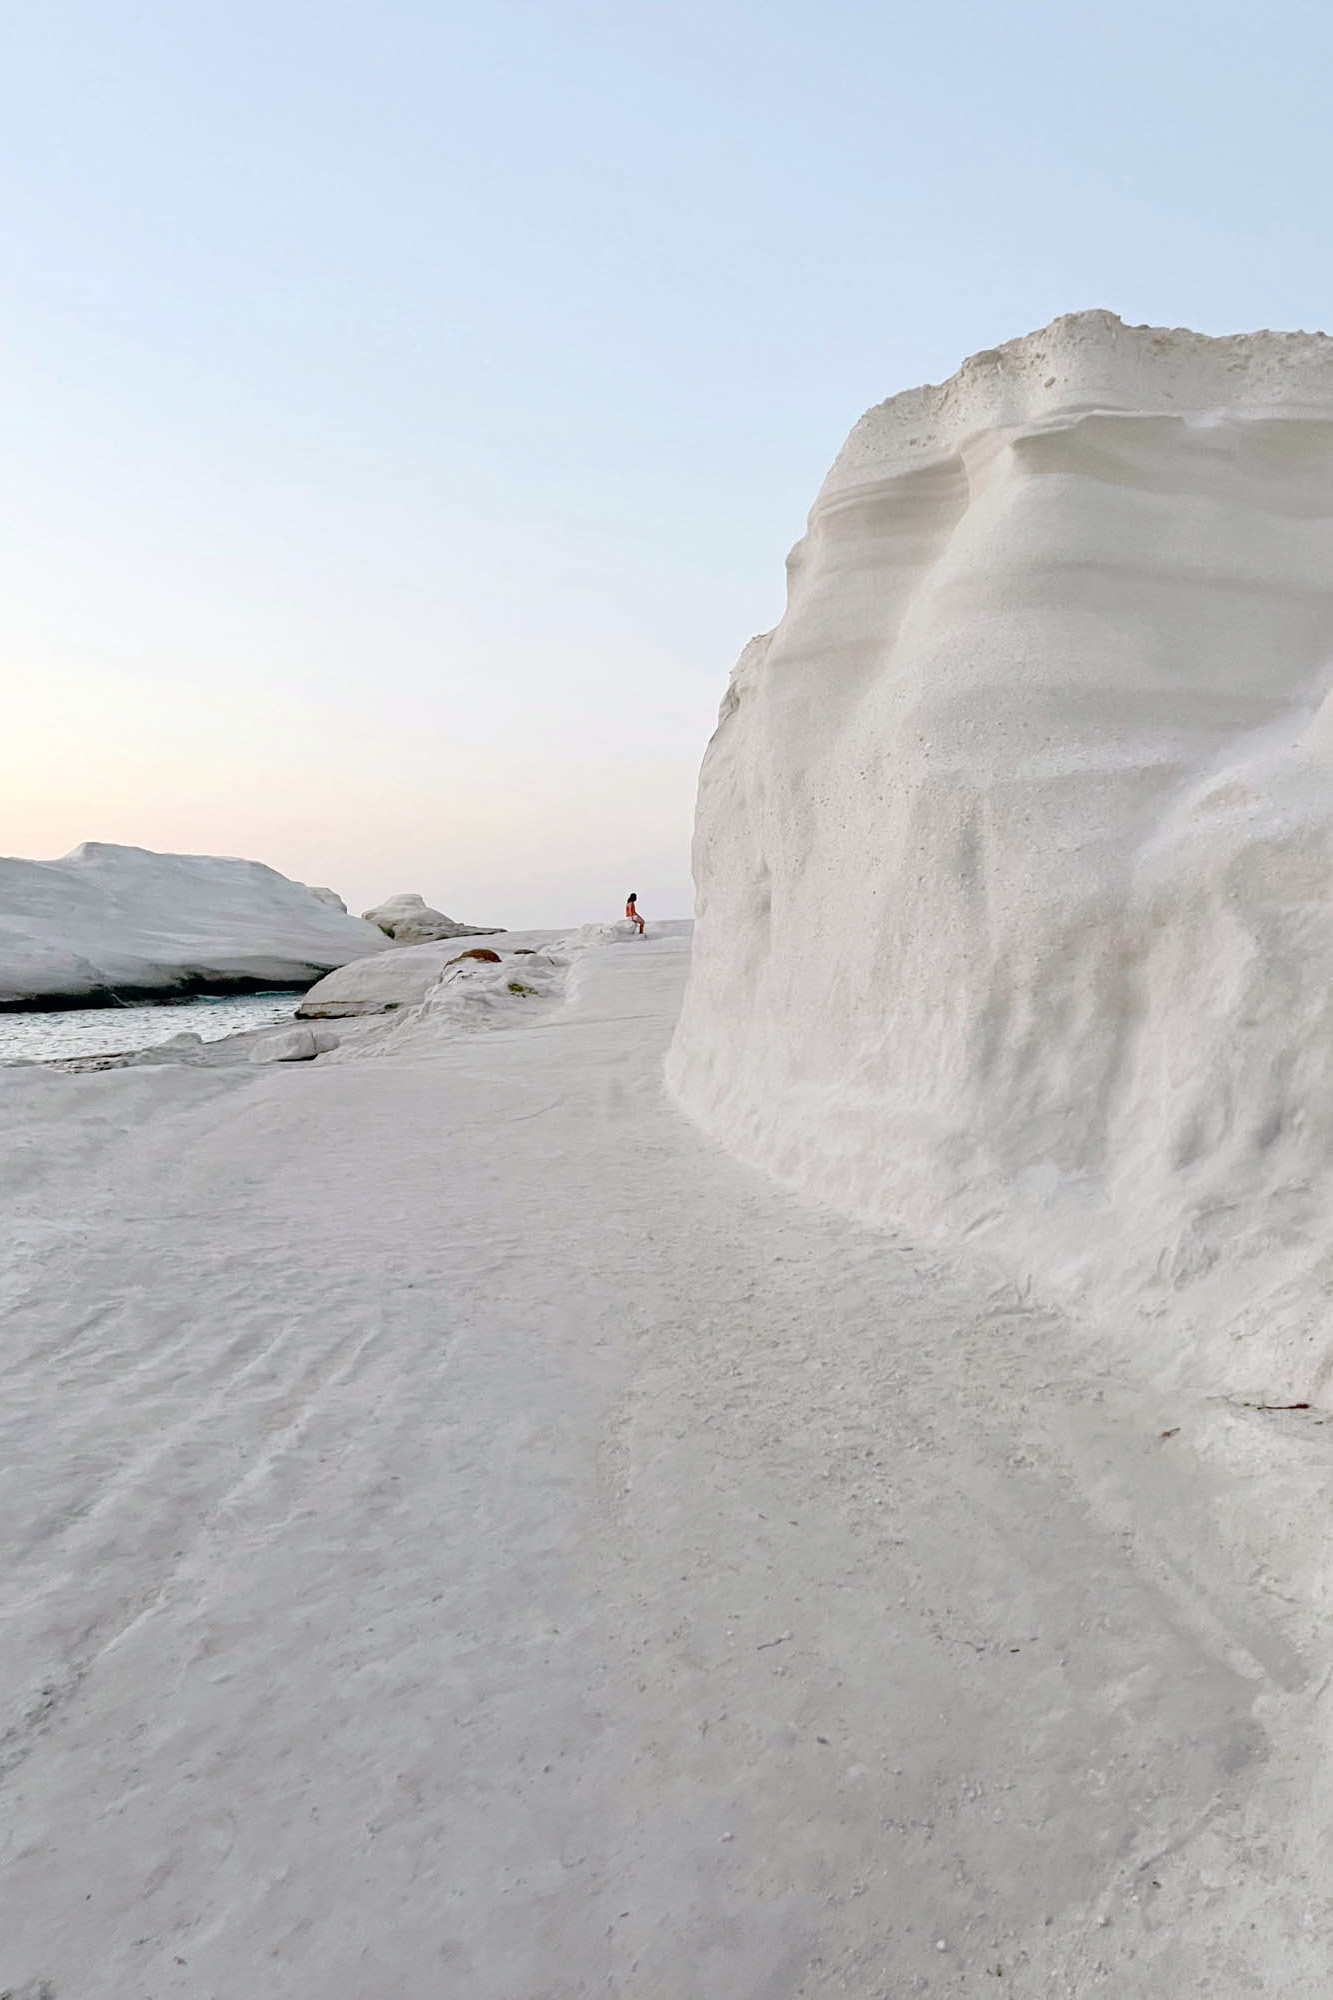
(117, 1031)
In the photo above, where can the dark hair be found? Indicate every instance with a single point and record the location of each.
(632, 896)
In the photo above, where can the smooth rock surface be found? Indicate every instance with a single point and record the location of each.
(395, 979)
(291, 1045)
(463, 1536)
(377, 985)
(1014, 846)
(111, 923)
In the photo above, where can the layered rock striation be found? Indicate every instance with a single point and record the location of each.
(1014, 847)
(109, 924)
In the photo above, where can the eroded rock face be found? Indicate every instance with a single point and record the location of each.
(109, 923)
(408, 920)
(376, 985)
(1014, 846)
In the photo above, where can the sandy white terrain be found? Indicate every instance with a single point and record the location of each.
(108, 922)
(1015, 842)
(464, 1535)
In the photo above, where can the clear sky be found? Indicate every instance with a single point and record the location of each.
(408, 406)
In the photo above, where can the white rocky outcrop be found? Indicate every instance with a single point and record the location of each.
(400, 979)
(378, 985)
(298, 1044)
(110, 923)
(1014, 847)
(408, 919)
(475, 990)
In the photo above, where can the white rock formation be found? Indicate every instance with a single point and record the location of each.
(408, 919)
(108, 923)
(377, 985)
(1014, 847)
(472, 993)
(400, 979)
(291, 1045)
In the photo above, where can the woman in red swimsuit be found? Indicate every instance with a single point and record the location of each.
(632, 913)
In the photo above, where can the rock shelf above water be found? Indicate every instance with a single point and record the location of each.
(107, 924)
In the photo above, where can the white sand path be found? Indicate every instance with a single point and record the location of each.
(465, 1536)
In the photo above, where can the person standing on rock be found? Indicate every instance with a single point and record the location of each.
(631, 911)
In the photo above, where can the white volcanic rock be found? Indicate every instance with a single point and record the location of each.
(377, 985)
(471, 993)
(401, 978)
(109, 923)
(291, 1045)
(373, 1439)
(1014, 846)
(409, 920)
(535, 975)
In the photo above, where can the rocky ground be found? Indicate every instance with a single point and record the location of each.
(464, 1534)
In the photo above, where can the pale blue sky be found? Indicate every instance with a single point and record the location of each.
(408, 407)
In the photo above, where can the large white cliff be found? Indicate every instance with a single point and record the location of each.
(1014, 847)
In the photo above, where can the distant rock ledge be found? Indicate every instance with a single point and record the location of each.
(408, 919)
(107, 925)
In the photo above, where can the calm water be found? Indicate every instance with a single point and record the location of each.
(115, 1031)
